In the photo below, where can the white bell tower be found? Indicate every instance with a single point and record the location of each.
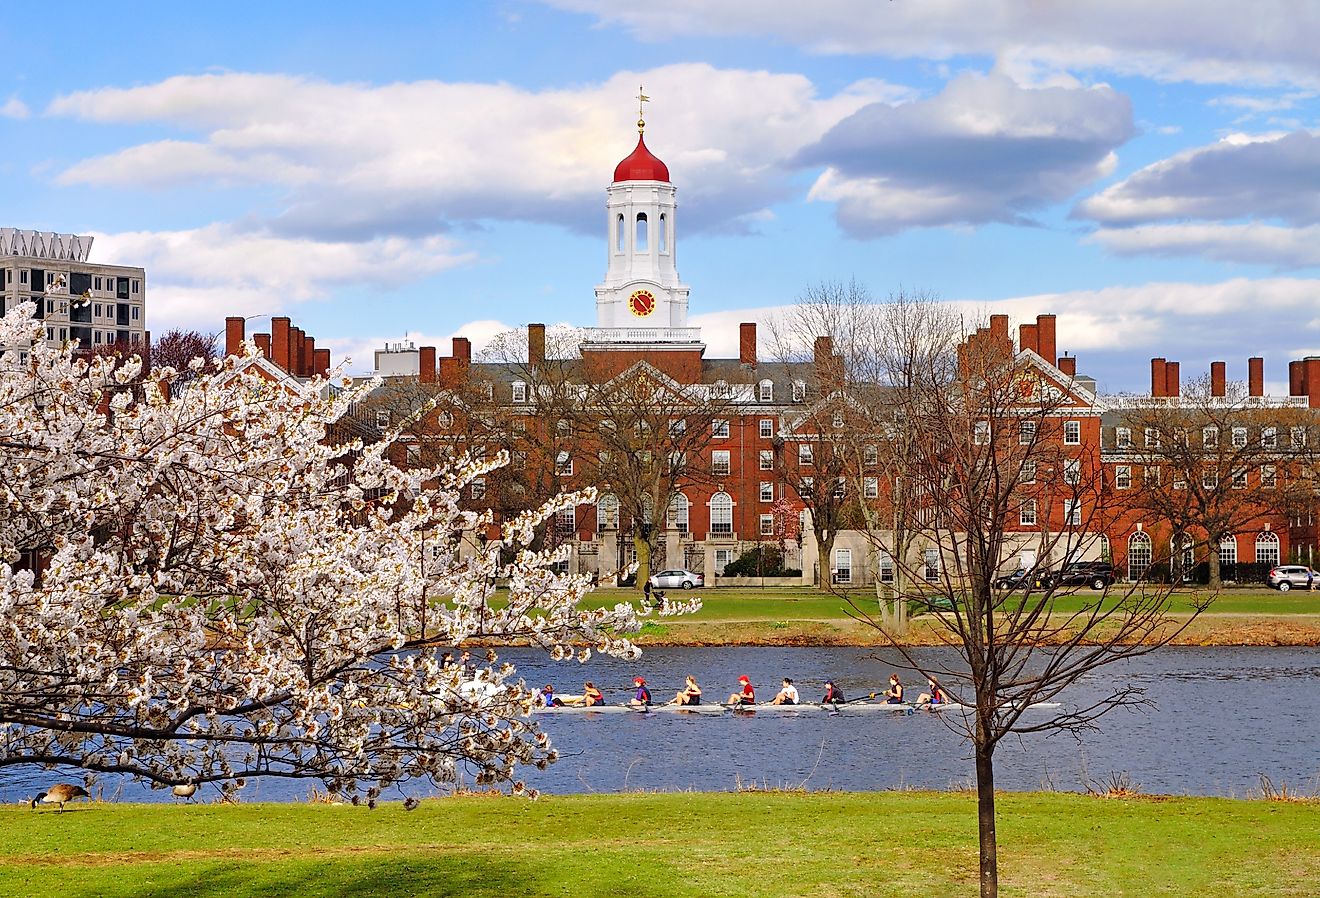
(641, 298)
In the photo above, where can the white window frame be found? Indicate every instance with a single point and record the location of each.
(1239, 480)
(806, 456)
(1210, 437)
(721, 513)
(719, 463)
(1122, 477)
(1027, 513)
(871, 487)
(799, 390)
(719, 428)
(1239, 437)
(1269, 437)
(1209, 478)
(1072, 471)
(842, 566)
(1151, 438)
(766, 391)
(1123, 437)
(767, 491)
(1297, 437)
(766, 428)
(564, 464)
(607, 512)
(478, 487)
(1026, 432)
(1028, 472)
(981, 433)
(1072, 433)
(519, 391)
(767, 525)
(1072, 512)
(678, 515)
(1269, 477)
(766, 460)
(870, 455)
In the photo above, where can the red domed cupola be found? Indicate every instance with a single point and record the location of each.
(641, 166)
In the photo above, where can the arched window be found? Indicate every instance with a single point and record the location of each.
(766, 391)
(677, 518)
(639, 244)
(1138, 556)
(607, 512)
(721, 513)
(1182, 557)
(620, 230)
(1228, 557)
(663, 235)
(1102, 544)
(1267, 547)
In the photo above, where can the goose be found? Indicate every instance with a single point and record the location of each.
(59, 794)
(187, 791)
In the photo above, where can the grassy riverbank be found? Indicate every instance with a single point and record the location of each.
(794, 616)
(707, 844)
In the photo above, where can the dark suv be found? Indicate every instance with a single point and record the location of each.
(1018, 579)
(1095, 574)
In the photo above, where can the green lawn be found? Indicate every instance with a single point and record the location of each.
(685, 844)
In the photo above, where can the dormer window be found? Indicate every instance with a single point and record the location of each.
(519, 391)
(799, 390)
(767, 391)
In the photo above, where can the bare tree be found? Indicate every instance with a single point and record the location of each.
(177, 348)
(997, 463)
(1212, 465)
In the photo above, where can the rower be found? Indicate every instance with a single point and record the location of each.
(591, 696)
(936, 695)
(894, 694)
(548, 697)
(690, 694)
(746, 694)
(787, 696)
(642, 697)
(833, 696)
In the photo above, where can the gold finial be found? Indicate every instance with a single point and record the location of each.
(641, 98)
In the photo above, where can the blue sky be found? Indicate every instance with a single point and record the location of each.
(1148, 172)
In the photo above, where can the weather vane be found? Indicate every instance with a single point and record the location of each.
(641, 98)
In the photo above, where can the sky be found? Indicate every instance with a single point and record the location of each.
(1149, 172)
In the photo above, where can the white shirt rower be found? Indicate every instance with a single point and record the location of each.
(788, 695)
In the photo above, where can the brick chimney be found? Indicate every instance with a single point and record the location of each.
(1256, 376)
(999, 333)
(1046, 345)
(322, 364)
(279, 341)
(263, 343)
(1171, 386)
(463, 352)
(1297, 378)
(1157, 377)
(309, 356)
(1027, 338)
(1311, 377)
(234, 330)
(295, 351)
(1218, 379)
(1068, 365)
(535, 345)
(426, 364)
(747, 343)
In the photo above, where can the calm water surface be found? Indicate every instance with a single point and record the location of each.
(1222, 718)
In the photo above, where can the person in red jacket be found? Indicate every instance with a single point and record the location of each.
(746, 694)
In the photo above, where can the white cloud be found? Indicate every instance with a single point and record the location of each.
(197, 277)
(14, 108)
(1175, 40)
(1252, 243)
(1241, 176)
(985, 149)
(406, 158)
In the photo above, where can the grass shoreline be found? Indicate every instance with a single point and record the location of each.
(671, 844)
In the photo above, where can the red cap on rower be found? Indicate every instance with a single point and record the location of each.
(638, 681)
(743, 679)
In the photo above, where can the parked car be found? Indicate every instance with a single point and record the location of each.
(677, 578)
(1095, 574)
(1018, 579)
(1291, 576)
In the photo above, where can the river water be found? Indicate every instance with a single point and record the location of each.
(1222, 718)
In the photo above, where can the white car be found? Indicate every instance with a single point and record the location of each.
(677, 578)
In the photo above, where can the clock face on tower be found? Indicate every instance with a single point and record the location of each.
(641, 303)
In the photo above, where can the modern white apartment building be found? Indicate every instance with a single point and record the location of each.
(93, 303)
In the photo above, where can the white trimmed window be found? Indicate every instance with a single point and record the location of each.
(519, 391)
(1210, 437)
(607, 512)
(767, 459)
(1028, 473)
(1267, 547)
(981, 433)
(870, 455)
(1072, 512)
(886, 566)
(767, 525)
(723, 558)
(1026, 433)
(719, 462)
(1123, 437)
(564, 464)
(719, 429)
(843, 565)
(478, 487)
(767, 391)
(1138, 555)
(1239, 480)
(1209, 478)
(807, 487)
(1072, 433)
(677, 516)
(805, 456)
(1228, 551)
(840, 488)
(838, 419)
(678, 427)
(799, 390)
(1072, 471)
(1297, 437)
(721, 513)
(566, 520)
(767, 428)
(871, 487)
(1152, 475)
(1268, 477)
(1152, 437)
(1269, 437)
(1123, 477)
(1027, 513)
(1239, 437)
(445, 420)
(767, 491)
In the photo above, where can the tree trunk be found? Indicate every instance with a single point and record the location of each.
(824, 549)
(985, 817)
(642, 546)
(1212, 562)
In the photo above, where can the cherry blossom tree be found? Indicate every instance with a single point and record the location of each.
(198, 585)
